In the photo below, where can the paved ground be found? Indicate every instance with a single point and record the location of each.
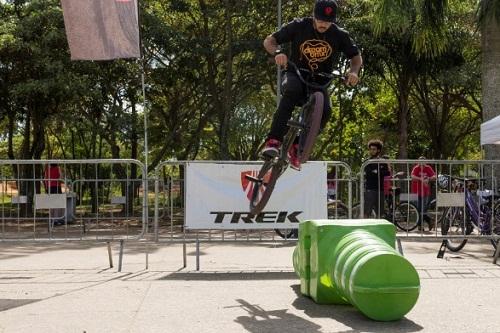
(240, 288)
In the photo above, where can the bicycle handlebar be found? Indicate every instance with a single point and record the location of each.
(329, 76)
(463, 179)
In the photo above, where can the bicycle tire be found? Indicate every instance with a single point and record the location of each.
(262, 190)
(356, 212)
(406, 216)
(288, 233)
(312, 125)
(337, 210)
(435, 213)
(453, 223)
(495, 221)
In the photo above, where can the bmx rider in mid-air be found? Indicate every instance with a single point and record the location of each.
(315, 44)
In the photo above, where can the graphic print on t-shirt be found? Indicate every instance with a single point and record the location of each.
(315, 50)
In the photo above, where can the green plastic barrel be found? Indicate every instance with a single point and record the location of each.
(373, 277)
(355, 262)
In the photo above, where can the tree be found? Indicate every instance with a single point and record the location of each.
(447, 94)
(417, 29)
(489, 24)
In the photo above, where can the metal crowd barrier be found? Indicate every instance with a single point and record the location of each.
(101, 200)
(107, 200)
(462, 201)
(169, 212)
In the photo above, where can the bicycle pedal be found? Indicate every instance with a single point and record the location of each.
(253, 179)
(442, 249)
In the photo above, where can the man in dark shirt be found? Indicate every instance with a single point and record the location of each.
(315, 43)
(374, 181)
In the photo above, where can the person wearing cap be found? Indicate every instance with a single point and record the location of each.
(315, 43)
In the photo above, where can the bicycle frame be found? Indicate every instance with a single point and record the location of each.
(479, 213)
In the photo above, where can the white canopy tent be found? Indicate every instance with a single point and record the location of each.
(490, 131)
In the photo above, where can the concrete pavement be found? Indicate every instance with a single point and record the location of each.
(69, 287)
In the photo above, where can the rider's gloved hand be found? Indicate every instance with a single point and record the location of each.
(352, 79)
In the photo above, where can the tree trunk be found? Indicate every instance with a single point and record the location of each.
(403, 116)
(491, 78)
(10, 140)
(490, 40)
(224, 115)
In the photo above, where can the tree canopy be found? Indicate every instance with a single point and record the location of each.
(210, 89)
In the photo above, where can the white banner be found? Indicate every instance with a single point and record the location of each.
(102, 29)
(217, 197)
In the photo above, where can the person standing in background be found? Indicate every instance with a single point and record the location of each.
(421, 176)
(53, 185)
(374, 181)
(52, 179)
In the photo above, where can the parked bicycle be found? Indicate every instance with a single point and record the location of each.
(481, 211)
(397, 209)
(306, 126)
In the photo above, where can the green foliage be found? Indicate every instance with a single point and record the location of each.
(421, 22)
(210, 90)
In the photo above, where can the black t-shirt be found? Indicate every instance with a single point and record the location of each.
(313, 50)
(374, 176)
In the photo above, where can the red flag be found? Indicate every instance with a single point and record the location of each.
(101, 29)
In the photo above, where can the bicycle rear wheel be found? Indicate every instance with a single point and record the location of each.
(356, 211)
(312, 124)
(453, 223)
(495, 223)
(406, 216)
(288, 233)
(337, 210)
(263, 185)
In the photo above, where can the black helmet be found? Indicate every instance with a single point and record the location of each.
(325, 10)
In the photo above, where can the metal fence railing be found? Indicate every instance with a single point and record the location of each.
(440, 199)
(109, 200)
(90, 200)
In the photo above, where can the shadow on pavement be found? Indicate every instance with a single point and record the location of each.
(350, 316)
(229, 276)
(6, 304)
(260, 320)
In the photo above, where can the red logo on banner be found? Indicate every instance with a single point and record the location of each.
(248, 185)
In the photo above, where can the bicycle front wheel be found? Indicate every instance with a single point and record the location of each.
(406, 216)
(312, 123)
(435, 213)
(453, 223)
(263, 185)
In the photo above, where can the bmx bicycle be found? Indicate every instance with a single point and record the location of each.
(306, 126)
